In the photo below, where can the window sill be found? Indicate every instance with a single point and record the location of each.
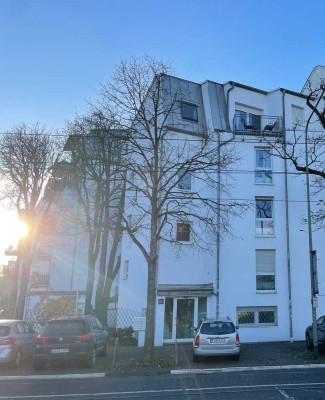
(266, 292)
(190, 120)
(264, 184)
(265, 236)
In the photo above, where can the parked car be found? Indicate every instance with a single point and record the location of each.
(79, 338)
(320, 334)
(216, 337)
(17, 341)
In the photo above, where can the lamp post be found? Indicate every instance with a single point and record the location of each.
(312, 253)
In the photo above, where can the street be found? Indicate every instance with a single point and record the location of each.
(290, 384)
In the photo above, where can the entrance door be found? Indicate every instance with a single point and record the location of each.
(181, 315)
(184, 318)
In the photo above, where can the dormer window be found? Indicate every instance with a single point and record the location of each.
(189, 111)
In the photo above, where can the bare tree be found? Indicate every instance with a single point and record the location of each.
(96, 149)
(307, 142)
(159, 159)
(27, 154)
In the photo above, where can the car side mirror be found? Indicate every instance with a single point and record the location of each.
(237, 327)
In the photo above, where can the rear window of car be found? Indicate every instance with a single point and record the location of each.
(65, 328)
(4, 330)
(217, 328)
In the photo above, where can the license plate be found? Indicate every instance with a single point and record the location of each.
(60, 351)
(218, 341)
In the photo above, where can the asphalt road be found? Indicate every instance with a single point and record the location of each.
(295, 384)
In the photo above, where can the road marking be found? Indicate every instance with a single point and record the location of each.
(182, 390)
(286, 396)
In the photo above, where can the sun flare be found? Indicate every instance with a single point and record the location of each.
(12, 228)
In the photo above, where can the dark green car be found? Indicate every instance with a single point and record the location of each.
(71, 338)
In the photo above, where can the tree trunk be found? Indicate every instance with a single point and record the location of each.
(90, 278)
(151, 309)
(26, 262)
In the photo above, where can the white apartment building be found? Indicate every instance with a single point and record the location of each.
(259, 276)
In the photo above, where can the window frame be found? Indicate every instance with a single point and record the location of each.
(184, 177)
(195, 117)
(270, 220)
(178, 239)
(256, 310)
(273, 273)
(259, 170)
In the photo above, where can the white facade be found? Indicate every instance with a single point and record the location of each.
(260, 276)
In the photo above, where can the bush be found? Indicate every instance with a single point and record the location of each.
(124, 335)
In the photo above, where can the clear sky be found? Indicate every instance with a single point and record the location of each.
(54, 53)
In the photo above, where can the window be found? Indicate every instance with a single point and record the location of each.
(257, 316)
(264, 217)
(297, 116)
(189, 111)
(263, 166)
(265, 270)
(183, 232)
(125, 269)
(184, 181)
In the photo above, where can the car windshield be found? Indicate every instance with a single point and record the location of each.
(217, 328)
(4, 330)
(65, 328)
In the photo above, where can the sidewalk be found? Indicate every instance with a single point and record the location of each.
(129, 359)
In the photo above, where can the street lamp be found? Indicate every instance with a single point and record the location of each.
(312, 253)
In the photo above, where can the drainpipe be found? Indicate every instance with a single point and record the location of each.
(218, 132)
(218, 229)
(287, 220)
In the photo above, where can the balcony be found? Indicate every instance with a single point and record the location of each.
(247, 124)
(39, 280)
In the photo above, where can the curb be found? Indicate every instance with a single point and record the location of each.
(241, 369)
(57, 376)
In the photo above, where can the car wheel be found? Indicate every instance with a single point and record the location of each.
(105, 350)
(309, 343)
(17, 360)
(37, 365)
(237, 357)
(90, 363)
(196, 358)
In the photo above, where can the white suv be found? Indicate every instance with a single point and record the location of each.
(216, 337)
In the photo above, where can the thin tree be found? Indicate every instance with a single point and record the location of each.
(27, 154)
(159, 158)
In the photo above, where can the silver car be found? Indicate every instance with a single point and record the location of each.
(17, 341)
(216, 337)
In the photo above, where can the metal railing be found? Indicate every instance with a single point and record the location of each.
(39, 280)
(257, 125)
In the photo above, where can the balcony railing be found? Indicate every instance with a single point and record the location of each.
(257, 125)
(39, 280)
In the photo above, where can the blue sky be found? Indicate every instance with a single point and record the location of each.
(54, 53)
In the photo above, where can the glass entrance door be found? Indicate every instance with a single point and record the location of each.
(181, 315)
(184, 318)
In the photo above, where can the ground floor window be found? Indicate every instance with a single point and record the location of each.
(257, 316)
